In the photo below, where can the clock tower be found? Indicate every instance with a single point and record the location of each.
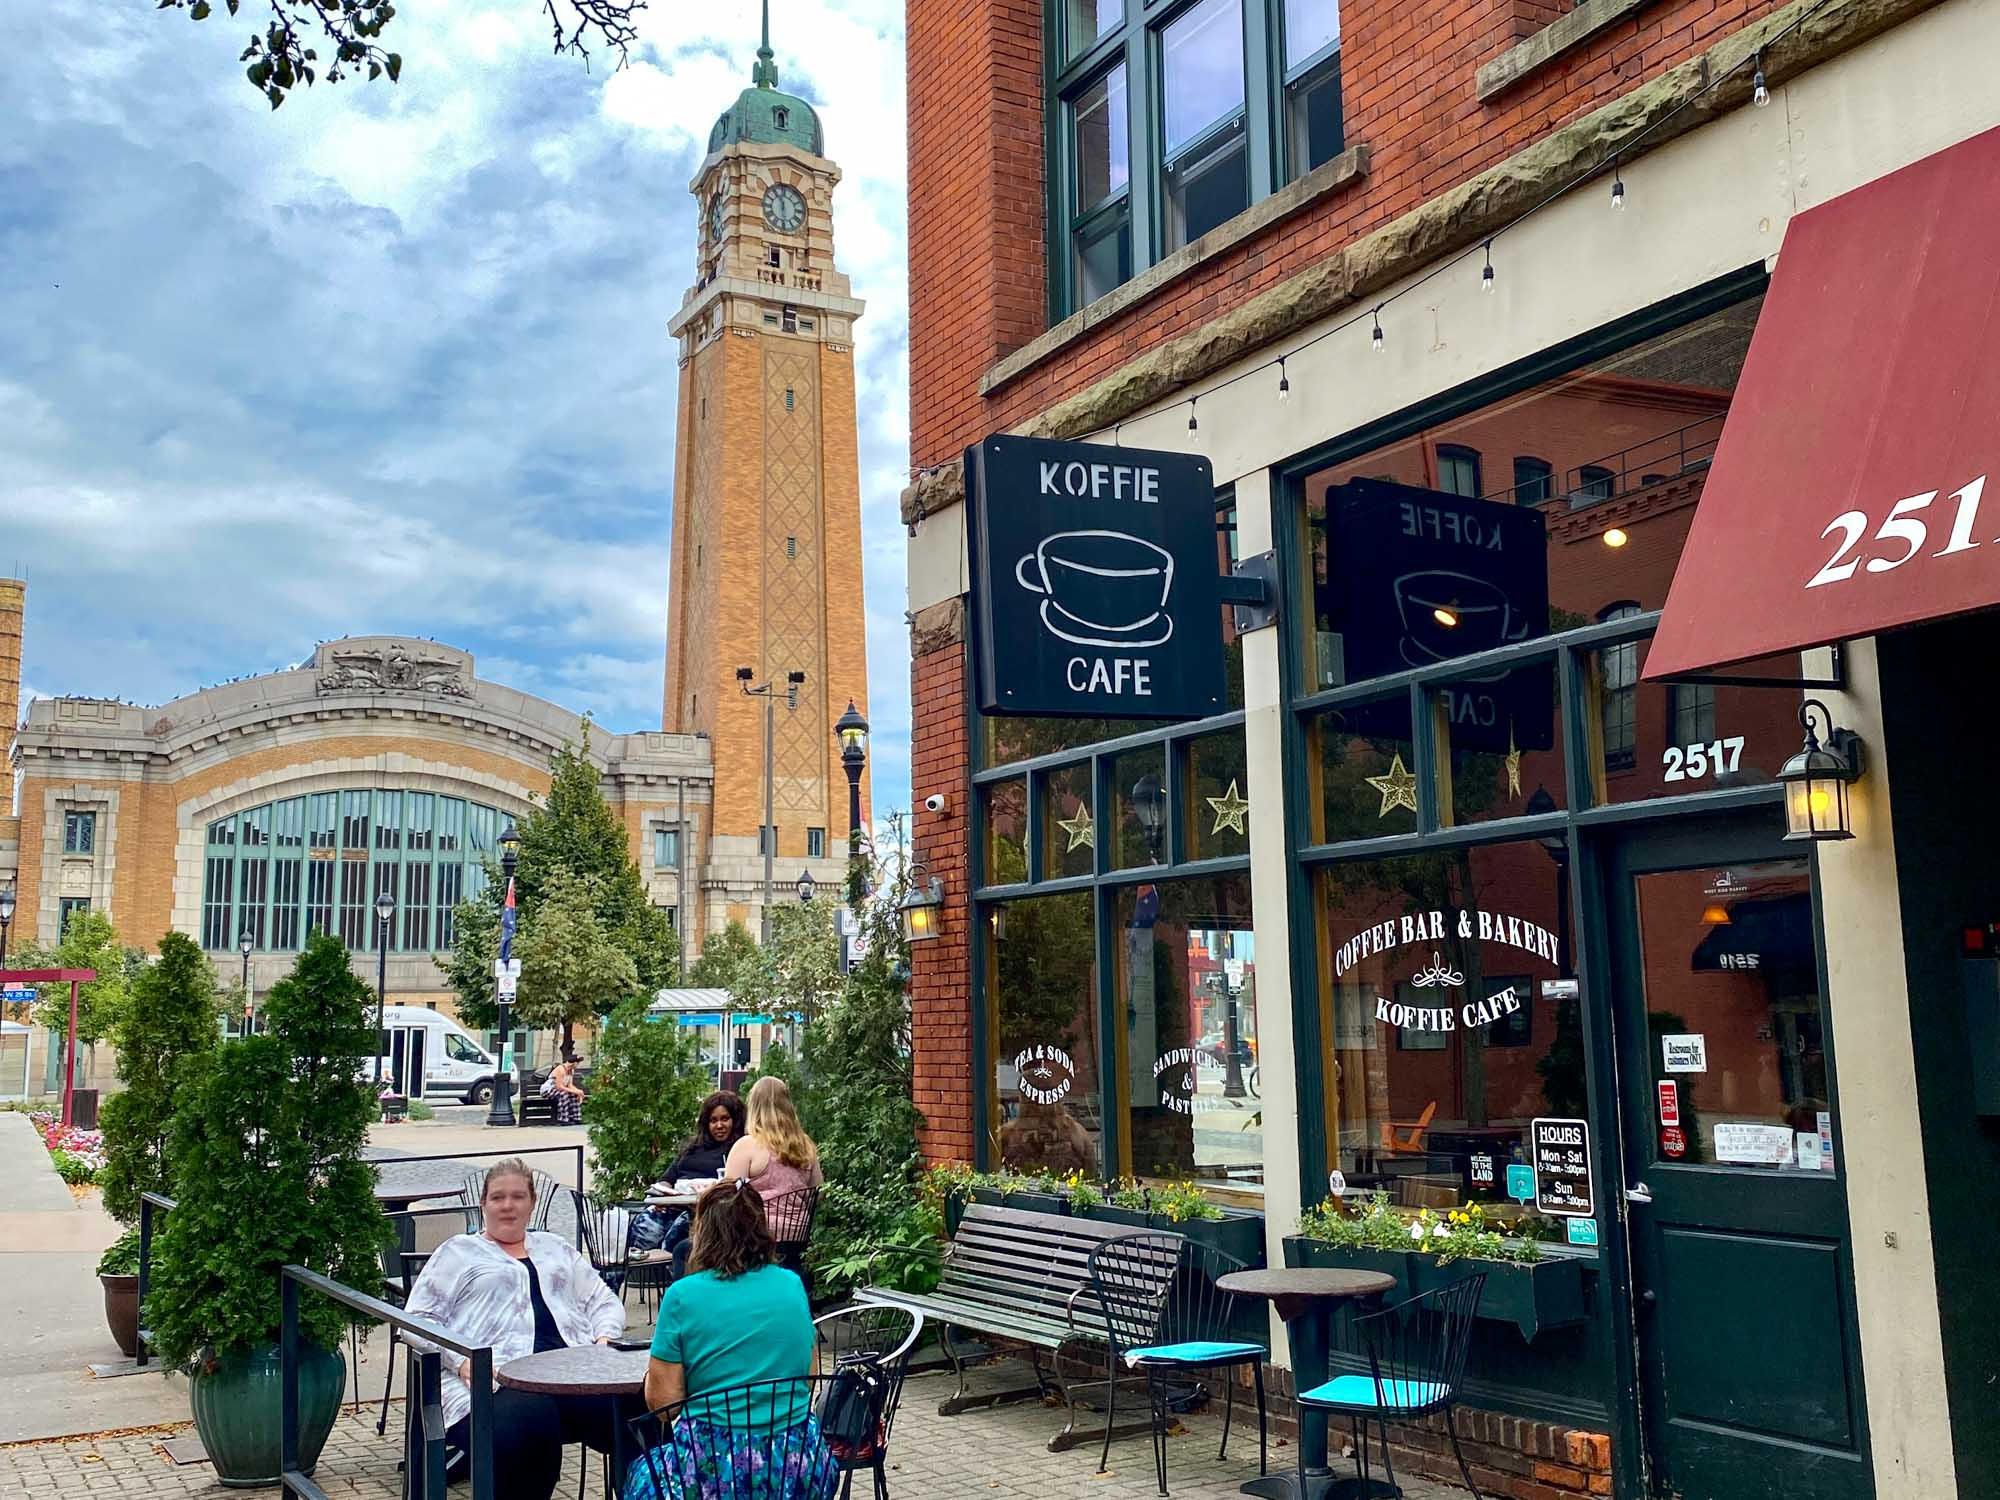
(766, 558)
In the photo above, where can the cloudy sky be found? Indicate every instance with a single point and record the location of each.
(395, 358)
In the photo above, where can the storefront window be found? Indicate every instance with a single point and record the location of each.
(1446, 1033)
(1216, 816)
(1041, 997)
(1736, 1031)
(1006, 812)
(1189, 1084)
(1500, 753)
(1366, 758)
(1069, 833)
(1139, 808)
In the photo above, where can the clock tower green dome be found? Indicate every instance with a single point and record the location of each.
(764, 116)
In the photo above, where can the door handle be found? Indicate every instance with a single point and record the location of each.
(1638, 1192)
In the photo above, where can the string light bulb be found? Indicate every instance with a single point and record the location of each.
(1617, 185)
(1486, 276)
(1375, 340)
(1759, 94)
(1284, 381)
(1192, 423)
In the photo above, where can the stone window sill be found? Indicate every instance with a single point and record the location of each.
(1327, 178)
(1545, 46)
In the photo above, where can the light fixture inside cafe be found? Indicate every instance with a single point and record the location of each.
(1446, 615)
(1715, 914)
(1816, 779)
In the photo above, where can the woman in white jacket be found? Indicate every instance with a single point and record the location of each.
(520, 1292)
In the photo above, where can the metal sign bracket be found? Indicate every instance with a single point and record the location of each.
(1252, 588)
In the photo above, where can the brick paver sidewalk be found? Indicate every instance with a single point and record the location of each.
(1000, 1453)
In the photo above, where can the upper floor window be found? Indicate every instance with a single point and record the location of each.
(1458, 471)
(1619, 669)
(666, 848)
(1593, 483)
(1171, 120)
(67, 907)
(767, 840)
(80, 833)
(1533, 480)
(815, 843)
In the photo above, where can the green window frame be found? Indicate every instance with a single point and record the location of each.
(286, 869)
(79, 833)
(1155, 134)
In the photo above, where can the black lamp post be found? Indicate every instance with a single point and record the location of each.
(6, 918)
(501, 1111)
(852, 732)
(385, 910)
(807, 887)
(1149, 806)
(245, 941)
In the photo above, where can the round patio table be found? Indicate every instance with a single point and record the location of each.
(396, 1196)
(618, 1376)
(1304, 1297)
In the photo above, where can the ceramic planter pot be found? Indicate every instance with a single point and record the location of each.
(121, 1311)
(238, 1405)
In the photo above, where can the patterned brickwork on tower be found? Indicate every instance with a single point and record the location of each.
(766, 557)
(13, 616)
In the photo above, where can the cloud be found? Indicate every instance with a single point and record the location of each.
(395, 358)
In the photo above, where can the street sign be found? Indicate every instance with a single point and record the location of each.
(504, 985)
(506, 968)
(18, 994)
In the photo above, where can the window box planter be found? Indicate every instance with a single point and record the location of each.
(1545, 1294)
(1026, 1200)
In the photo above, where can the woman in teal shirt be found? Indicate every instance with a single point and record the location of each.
(737, 1319)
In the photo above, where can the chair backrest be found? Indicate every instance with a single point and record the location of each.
(727, 1445)
(546, 1189)
(1417, 1348)
(790, 1215)
(607, 1233)
(1133, 1278)
(871, 1333)
(1037, 1263)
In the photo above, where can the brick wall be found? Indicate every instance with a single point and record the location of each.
(940, 1016)
(977, 250)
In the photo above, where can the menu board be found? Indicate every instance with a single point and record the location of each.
(1562, 1167)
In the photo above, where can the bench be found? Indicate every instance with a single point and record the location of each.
(528, 1100)
(1021, 1282)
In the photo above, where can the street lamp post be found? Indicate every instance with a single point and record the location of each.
(6, 918)
(245, 941)
(501, 1111)
(806, 886)
(385, 910)
(852, 732)
(769, 837)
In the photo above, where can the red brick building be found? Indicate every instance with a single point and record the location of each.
(1506, 256)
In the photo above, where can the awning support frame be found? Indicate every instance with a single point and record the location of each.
(1837, 683)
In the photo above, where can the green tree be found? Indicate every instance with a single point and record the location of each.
(644, 1091)
(285, 52)
(89, 941)
(572, 832)
(168, 1019)
(571, 969)
(267, 1140)
(798, 970)
(724, 957)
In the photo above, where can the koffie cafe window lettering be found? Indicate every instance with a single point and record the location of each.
(1454, 1027)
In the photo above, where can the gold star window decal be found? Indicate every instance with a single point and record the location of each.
(1081, 830)
(1513, 764)
(1397, 786)
(1230, 811)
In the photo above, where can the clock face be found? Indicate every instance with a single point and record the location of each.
(715, 220)
(784, 209)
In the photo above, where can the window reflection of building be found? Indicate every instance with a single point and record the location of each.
(1042, 998)
(1619, 669)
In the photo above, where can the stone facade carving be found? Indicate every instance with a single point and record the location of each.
(343, 668)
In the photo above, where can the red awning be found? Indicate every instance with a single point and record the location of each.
(1846, 495)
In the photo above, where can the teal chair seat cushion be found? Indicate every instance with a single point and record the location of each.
(1361, 1391)
(1194, 1352)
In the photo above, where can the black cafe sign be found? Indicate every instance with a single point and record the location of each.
(1095, 581)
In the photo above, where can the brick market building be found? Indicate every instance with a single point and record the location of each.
(1467, 259)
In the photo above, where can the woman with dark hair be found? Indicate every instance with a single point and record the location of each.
(718, 1126)
(737, 1318)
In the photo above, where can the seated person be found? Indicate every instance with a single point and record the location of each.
(718, 1127)
(519, 1291)
(562, 1087)
(781, 1163)
(736, 1319)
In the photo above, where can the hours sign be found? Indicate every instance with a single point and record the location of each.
(1095, 581)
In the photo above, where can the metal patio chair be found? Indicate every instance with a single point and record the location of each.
(881, 1336)
(607, 1239)
(754, 1442)
(1164, 1315)
(1416, 1354)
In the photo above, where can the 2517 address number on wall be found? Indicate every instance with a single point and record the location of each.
(1692, 762)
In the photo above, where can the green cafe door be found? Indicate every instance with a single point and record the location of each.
(1749, 1375)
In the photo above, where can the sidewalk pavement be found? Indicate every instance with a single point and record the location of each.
(999, 1453)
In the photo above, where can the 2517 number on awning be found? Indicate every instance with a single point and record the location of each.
(1903, 527)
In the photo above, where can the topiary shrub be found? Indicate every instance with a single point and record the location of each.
(169, 1016)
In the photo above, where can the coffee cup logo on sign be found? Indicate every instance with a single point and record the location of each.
(1101, 588)
(1446, 614)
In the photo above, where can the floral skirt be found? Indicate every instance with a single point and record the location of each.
(706, 1461)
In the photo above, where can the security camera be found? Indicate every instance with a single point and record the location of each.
(935, 802)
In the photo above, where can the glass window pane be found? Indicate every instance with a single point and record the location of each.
(1103, 258)
(1505, 757)
(1139, 808)
(1098, 121)
(1008, 739)
(1201, 70)
(1208, 186)
(1186, 976)
(1316, 130)
(1217, 783)
(1087, 20)
(1367, 782)
(1441, 1045)
(1047, 1073)
(1729, 959)
(1069, 833)
(1653, 739)
(1311, 26)
(1006, 813)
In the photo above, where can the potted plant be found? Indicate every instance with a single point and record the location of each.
(168, 1019)
(267, 1143)
(1186, 1209)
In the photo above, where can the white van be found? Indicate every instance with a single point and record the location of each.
(419, 1043)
